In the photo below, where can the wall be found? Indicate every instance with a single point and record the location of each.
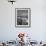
(8, 31)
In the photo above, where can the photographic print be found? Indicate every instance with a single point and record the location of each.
(22, 17)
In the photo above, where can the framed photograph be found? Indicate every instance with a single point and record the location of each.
(22, 17)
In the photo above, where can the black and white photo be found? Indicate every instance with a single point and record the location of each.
(22, 17)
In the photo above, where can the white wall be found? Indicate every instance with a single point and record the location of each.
(37, 31)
